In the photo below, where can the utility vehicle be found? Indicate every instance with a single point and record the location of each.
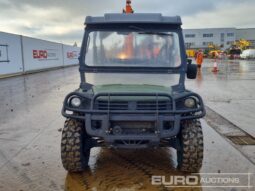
(132, 93)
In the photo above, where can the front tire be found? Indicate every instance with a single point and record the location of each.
(190, 155)
(74, 154)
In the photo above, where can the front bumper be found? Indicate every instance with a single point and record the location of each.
(158, 117)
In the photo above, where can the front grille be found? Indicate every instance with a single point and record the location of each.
(153, 105)
(133, 105)
(112, 105)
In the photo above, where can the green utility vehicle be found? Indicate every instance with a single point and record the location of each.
(132, 93)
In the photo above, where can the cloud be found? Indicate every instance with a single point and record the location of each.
(43, 23)
(62, 20)
(227, 16)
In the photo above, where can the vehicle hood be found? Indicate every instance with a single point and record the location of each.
(121, 88)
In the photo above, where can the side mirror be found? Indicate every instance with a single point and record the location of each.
(191, 70)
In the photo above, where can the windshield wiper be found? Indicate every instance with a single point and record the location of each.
(136, 28)
(143, 31)
(156, 33)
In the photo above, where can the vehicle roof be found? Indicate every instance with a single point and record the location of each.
(154, 18)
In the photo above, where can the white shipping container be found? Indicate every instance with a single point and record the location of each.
(41, 54)
(71, 55)
(10, 54)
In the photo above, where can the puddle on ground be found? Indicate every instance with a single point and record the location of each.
(125, 170)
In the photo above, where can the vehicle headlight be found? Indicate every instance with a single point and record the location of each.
(76, 102)
(190, 103)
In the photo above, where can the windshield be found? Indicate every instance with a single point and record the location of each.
(133, 49)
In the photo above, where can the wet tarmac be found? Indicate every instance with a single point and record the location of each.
(30, 132)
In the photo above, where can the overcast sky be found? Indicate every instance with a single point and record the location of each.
(62, 20)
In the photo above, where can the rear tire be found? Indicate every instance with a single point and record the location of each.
(190, 156)
(74, 155)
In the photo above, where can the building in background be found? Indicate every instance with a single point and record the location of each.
(247, 34)
(221, 37)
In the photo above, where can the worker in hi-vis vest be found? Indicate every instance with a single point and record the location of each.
(199, 58)
(129, 8)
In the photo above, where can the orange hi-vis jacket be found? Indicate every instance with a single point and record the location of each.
(129, 9)
(200, 58)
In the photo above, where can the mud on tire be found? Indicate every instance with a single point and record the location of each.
(73, 153)
(190, 156)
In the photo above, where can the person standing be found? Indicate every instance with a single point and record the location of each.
(199, 59)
